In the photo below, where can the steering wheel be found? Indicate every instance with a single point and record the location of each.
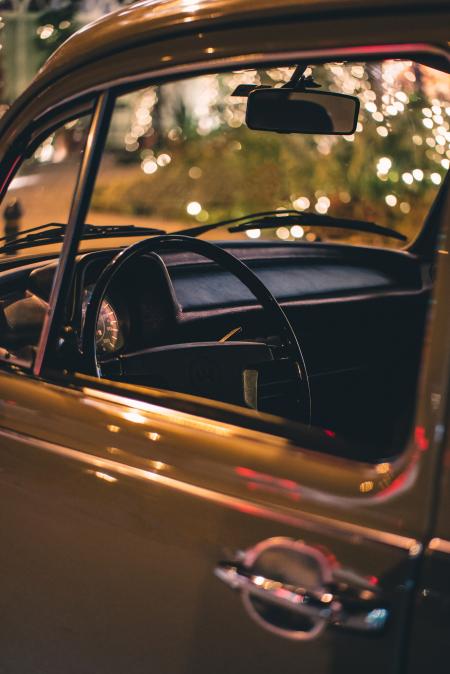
(267, 377)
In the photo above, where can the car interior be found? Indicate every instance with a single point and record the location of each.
(326, 331)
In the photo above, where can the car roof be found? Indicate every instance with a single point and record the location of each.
(149, 18)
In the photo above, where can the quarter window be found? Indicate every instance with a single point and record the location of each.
(38, 197)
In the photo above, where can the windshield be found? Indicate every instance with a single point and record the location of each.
(181, 155)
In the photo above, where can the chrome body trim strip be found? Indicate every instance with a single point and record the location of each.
(439, 545)
(309, 521)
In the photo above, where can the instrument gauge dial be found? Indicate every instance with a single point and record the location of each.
(107, 332)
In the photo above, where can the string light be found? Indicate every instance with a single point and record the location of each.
(193, 208)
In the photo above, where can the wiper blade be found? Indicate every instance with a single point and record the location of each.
(318, 220)
(111, 231)
(272, 219)
(53, 232)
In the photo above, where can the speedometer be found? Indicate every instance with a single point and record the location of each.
(107, 330)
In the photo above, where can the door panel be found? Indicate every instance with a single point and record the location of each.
(119, 574)
(108, 561)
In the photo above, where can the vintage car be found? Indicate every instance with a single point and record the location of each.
(224, 343)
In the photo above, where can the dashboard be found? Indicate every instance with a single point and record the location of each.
(357, 313)
(147, 303)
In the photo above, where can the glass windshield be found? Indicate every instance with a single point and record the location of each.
(180, 155)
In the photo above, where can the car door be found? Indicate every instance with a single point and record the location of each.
(126, 524)
(144, 531)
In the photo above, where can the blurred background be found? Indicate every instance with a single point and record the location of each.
(31, 29)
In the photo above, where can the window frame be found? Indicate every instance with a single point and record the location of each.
(22, 150)
(46, 351)
(100, 124)
(45, 366)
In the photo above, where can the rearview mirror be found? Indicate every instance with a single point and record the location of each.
(296, 111)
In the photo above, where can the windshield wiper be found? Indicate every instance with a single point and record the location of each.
(272, 219)
(53, 232)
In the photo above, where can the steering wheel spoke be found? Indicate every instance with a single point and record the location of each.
(213, 369)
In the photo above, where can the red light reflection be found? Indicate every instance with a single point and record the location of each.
(421, 438)
(262, 481)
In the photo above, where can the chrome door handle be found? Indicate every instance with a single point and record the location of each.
(323, 605)
(338, 598)
(306, 602)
